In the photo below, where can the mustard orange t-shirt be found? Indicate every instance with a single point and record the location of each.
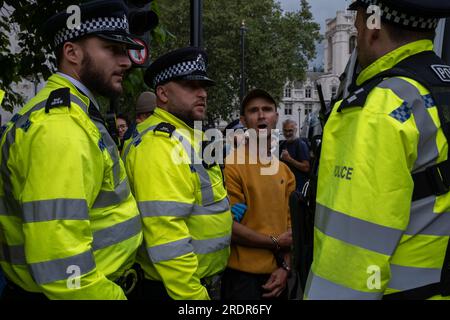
(267, 200)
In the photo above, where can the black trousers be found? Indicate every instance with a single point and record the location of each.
(239, 285)
(150, 290)
(13, 292)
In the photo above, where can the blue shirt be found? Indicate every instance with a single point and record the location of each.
(299, 151)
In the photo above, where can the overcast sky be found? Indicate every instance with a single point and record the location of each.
(321, 10)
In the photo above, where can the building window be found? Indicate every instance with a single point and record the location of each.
(352, 44)
(288, 109)
(308, 92)
(287, 92)
(333, 91)
(308, 108)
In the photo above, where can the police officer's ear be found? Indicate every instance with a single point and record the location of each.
(161, 94)
(368, 25)
(72, 52)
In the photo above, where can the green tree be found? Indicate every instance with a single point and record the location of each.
(278, 45)
(35, 60)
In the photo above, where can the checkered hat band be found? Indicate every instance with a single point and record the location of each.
(403, 19)
(91, 26)
(178, 70)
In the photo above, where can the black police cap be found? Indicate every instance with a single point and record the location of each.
(103, 18)
(410, 14)
(181, 64)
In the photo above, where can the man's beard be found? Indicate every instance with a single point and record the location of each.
(96, 80)
(186, 116)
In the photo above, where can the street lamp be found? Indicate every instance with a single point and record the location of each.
(196, 24)
(242, 89)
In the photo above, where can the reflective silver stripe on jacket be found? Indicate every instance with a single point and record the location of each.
(112, 150)
(116, 233)
(175, 249)
(405, 278)
(79, 102)
(318, 288)
(424, 221)
(109, 198)
(180, 209)
(101, 239)
(62, 269)
(357, 232)
(56, 209)
(170, 250)
(205, 181)
(11, 204)
(211, 245)
(427, 148)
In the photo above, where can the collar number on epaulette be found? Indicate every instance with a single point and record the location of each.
(442, 71)
(165, 127)
(58, 98)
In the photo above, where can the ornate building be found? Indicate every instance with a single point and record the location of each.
(300, 98)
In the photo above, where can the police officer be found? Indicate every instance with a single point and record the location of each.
(382, 223)
(182, 201)
(70, 225)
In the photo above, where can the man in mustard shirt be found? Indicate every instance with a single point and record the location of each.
(259, 264)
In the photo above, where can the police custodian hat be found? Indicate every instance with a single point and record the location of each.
(181, 64)
(106, 19)
(409, 14)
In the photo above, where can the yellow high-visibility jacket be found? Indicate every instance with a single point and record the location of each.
(370, 238)
(69, 224)
(184, 207)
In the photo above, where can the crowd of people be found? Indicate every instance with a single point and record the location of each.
(101, 221)
(153, 219)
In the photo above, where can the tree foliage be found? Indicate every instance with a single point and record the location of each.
(278, 45)
(35, 60)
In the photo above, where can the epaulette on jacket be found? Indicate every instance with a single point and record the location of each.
(58, 98)
(165, 129)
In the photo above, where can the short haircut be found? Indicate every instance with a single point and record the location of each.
(289, 121)
(59, 52)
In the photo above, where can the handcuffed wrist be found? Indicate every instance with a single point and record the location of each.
(275, 242)
(286, 267)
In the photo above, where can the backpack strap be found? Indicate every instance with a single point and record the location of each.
(430, 71)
